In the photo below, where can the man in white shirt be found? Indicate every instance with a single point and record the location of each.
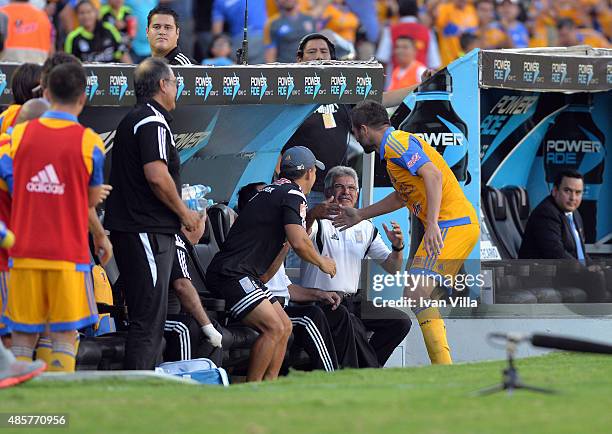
(348, 248)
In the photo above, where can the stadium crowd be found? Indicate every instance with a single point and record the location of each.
(406, 35)
(152, 229)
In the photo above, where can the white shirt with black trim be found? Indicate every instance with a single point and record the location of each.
(347, 248)
(279, 284)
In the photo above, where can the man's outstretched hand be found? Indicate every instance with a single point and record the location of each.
(346, 217)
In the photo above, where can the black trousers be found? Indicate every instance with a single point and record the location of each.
(389, 327)
(144, 262)
(311, 332)
(342, 328)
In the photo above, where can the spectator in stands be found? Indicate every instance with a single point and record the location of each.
(340, 19)
(145, 210)
(94, 40)
(408, 70)
(516, 32)
(369, 27)
(490, 35)
(311, 329)
(569, 35)
(554, 229)
(454, 18)
(425, 41)
(140, 49)
(76, 161)
(183, 296)
(251, 255)
(25, 79)
(348, 248)
(119, 15)
(163, 34)
(29, 36)
(220, 51)
(230, 13)
(285, 30)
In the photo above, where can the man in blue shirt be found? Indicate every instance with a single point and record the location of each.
(508, 12)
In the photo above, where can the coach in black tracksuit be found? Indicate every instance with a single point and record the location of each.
(145, 210)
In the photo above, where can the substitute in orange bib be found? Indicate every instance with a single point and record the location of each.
(425, 184)
(32, 109)
(58, 171)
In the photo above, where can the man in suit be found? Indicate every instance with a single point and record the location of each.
(554, 229)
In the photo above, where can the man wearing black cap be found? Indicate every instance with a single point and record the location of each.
(249, 257)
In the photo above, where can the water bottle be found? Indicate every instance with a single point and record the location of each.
(197, 191)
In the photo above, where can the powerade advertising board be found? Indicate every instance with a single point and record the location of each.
(527, 137)
(230, 122)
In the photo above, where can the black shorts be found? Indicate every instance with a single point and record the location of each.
(241, 295)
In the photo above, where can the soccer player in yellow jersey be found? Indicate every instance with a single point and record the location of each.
(425, 184)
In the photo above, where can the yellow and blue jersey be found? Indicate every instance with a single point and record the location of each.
(405, 153)
(8, 117)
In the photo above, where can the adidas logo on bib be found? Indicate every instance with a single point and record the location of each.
(46, 181)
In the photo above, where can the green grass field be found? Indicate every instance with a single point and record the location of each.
(410, 400)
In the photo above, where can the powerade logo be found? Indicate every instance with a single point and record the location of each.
(285, 86)
(259, 86)
(312, 85)
(231, 85)
(442, 139)
(92, 85)
(563, 151)
(203, 86)
(558, 72)
(501, 69)
(507, 106)
(180, 85)
(364, 86)
(338, 85)
(2, 82)
(118, 85)
(585, 74)
(531, 71)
